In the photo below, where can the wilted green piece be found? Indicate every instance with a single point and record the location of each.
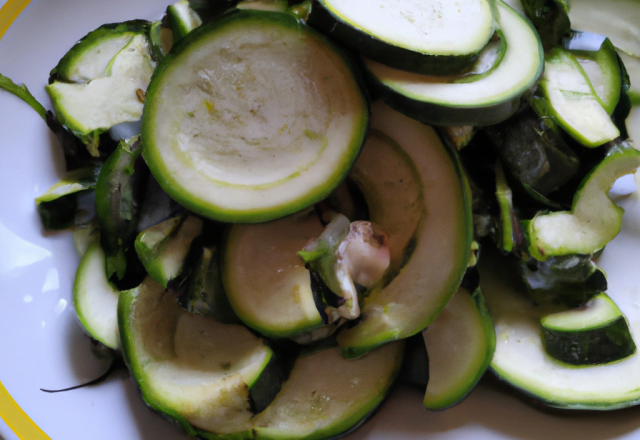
(23, 93)
(550, 18)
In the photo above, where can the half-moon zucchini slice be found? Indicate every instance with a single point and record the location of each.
(437, 251)
(483, 99)
(233, 131)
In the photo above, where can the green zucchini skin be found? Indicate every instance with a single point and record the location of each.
(253, 215)
(550, 18)
(368, 45)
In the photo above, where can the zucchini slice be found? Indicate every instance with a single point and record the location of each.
(231, 128)
(90, 57)
(594, 219)
(437, 250)
(520, 358)
(460, 344)
(163, 248)
(569, 98)
(482, 99)
(92, 108)
(266, 282)
(191, 369)
(95, 299)
(182, 19)
(597, 333)
(429, 37)
(327, 395)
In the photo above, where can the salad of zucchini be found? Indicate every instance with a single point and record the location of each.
(281, 207)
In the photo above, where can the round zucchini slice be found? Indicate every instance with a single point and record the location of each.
(95, 299)
(265, 280)
(481, 99)
(424, 36)
(191, 369)
(253, 117)
(407, 166)
(327, 395)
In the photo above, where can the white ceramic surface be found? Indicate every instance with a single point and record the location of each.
(42, 345)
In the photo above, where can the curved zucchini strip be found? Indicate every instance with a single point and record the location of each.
(191, 369)
(249, 142)
(484, 99)
(90, 57)
(95, 299)
(568, 97)
(460, 344)
(394, 33)
(266, 282)
(594, 219)
(182, 19)
(597, 333)
(520, 358)
(440, 245)
(327, 395)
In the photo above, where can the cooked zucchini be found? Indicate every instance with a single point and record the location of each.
(482, 99)
(406, 165)
(428, 37)
(182, 19)
(238, 135)
(596, 333)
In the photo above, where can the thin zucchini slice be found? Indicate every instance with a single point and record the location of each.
(163, 248)
(569, 98)
(95, 299)
(441, 240)
(460, 344)
(264, 5)
(232, 130)
(92, 108)
(520, 358)
(597, 333)
(428, 37)
(327, 395)
(483, 99)
(594, 219)
(266, 282)
(506, 238)
(90, 57)
(191, 369)
(182, 19)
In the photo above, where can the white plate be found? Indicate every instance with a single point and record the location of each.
(42, 345)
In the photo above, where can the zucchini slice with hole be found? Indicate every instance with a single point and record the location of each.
(231, 128)
(460, 344)
(440, 244)
(521, 360)
(327, 395)
(266, 282)
(594, 219)
(191, 369)
(482, 99)
(420, 36)
(95, 299)
(596, 333)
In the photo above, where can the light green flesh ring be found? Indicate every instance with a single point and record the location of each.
(266, 281)
(521, 360)
(594, 219)
(95, 299)
(231, 128)
(515, 73)
(573, 102)
(460, 343)
(453, 28)
(442, 240)
(190, 368)
(327, 395)
(109, 100)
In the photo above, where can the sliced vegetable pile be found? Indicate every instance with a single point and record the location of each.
(259, 235)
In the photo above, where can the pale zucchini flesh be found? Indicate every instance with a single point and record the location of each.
(460, 343)
(432, 273)
(237, 135)
(266, 281)
(485, 100)
(95, 299)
